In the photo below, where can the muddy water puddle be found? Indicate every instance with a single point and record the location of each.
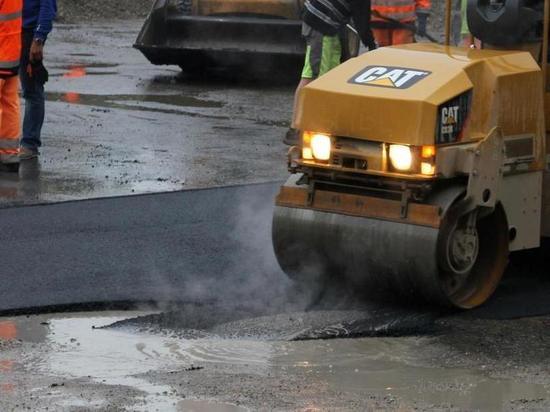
(75, 91)
(74, 348)
(151, 103)
(391, 367)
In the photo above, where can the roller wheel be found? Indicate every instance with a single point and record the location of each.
(473, 255)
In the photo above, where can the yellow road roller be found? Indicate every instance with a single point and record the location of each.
(203, 34)
(422, 166)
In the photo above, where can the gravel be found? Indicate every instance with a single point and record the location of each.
(516, 349)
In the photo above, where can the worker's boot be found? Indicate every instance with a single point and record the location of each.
(26, 153)
(292, 137)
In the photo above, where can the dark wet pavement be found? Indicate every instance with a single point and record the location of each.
(198, 246)
(117, 125)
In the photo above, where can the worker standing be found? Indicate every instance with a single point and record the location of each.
(38, 16)
(10, 53)
(323, 27)
(393, 21)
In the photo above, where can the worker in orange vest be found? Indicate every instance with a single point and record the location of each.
(393, 21)
(10, 54)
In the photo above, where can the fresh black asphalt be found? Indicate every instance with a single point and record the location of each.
(177, 246)
(200, 246)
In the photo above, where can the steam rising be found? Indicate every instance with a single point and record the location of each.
(249, 281)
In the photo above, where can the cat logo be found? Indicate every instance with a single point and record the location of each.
(449, 119)
(390, 77)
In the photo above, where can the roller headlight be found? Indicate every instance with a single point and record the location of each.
(321, 146)
(316, 146)
(401, 157)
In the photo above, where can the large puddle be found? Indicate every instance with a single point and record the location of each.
(74, 347)
(169, 104)
(390, 367)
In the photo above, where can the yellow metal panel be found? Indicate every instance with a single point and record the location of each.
(289, 9)
(503, 83)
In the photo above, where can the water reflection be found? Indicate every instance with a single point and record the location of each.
(75, 72)
(8, 188)
(71, 97)
(8, 332)
(157, 103)
(6, 365)
(22, 186)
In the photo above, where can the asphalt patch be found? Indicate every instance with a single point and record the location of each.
(213, 321)
(390, 325)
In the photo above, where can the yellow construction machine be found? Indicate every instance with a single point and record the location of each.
(422, 166)
(202, 34)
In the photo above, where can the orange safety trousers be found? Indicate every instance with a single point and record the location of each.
(392, 37)
(10, 114)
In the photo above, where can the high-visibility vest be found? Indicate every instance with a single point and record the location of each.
(10, 35)
(401, 10)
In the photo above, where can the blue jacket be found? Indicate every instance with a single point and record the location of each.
(38, 15)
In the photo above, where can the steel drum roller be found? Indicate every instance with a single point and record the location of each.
(375, 254)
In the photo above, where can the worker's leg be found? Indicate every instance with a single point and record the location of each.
(33, 93)
(312, 65)
(9, 120)
(467, 38)
(323, 53)
(382, 37)
(402, 36)
(303, 83)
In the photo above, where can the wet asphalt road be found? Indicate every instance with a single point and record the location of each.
(118, 125)
(196, 245)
